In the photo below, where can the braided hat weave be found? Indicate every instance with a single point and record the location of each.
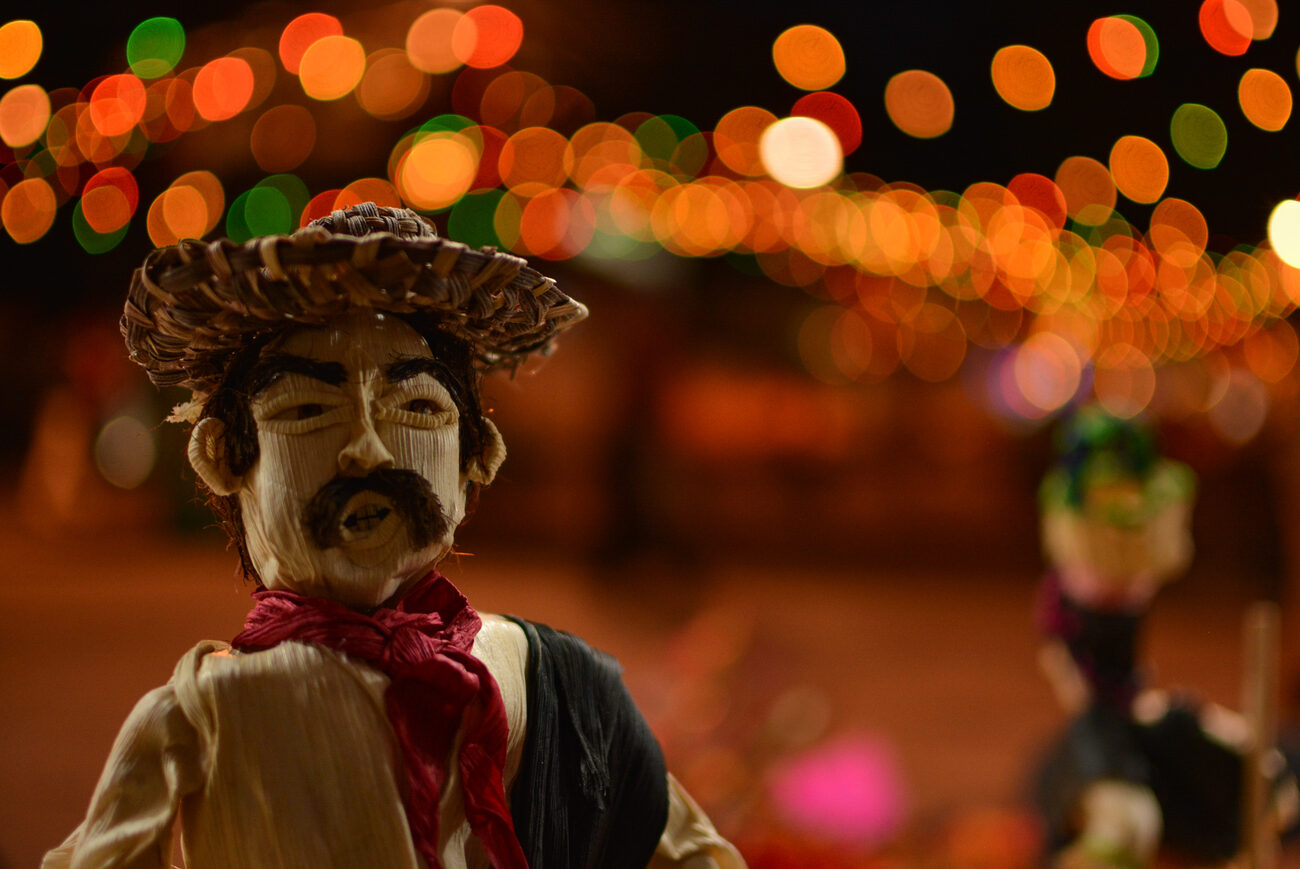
(194, 305)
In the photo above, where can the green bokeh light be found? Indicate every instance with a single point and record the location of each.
(659, 136)
(236, 226)
(267, 212)
(295, 193)
(471, 219)
(155, 47)
(95, 242)
(1199, 135)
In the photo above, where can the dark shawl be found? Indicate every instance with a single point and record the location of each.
(592, 788)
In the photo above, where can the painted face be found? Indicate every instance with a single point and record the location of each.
(357, 489)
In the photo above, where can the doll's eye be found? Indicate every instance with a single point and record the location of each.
(300, 411)
(421, 406)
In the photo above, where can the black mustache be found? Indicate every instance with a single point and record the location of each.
(410, 494)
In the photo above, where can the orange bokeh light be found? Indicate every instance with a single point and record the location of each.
(736, 138)
(1023, 77)
(532, 161)
(919, 103)
(300, 33)
(332, 67)
(391, 87)
(1226, 26)
(282, 138)
(117, 104)
(20, 47)
(28, 210)
(222, 88)
(1265, 99)
(1089, 189)
(24, 115)
(429, 41)
(1139, 168)
(376, 190)
(809, 57)
(1117, 47)
(488, 36)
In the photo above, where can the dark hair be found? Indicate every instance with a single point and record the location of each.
(230, 403)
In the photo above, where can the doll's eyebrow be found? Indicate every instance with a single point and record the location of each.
(405, 369)
(269, 369)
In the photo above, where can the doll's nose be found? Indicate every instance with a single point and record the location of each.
(364, 451)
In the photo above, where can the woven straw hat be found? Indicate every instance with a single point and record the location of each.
(194, 305)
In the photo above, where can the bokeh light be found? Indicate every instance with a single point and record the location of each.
(20, 48)
(331, 67)
(1199, 135)
(300, 33)
(487, 36)
(736, 138)
(1263, 17)
(835, 112)
(125, 452)
(1284, 231)
(801, 152)
(1226, 26)
(809, 57)
(1140, 169)
(283, 137)
(155, 46)
(919, 103)
(117, 104)
(223, 88)
(92, 241)
(437, 170)
(24, 115)
(27, 210)
(109, 199)
(429, 41)
(1088, 188)
(1265, 99)
(1118, 47)
(391, 88)
(1023, 77)
(532, 161)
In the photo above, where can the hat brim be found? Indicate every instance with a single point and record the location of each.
(193, 306)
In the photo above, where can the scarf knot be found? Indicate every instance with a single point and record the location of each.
(437, 688)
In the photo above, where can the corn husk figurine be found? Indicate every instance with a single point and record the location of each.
(1136, 772)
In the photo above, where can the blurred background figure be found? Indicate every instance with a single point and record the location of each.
(1136, 770)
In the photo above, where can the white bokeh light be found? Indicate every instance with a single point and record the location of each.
(1284, 231)
(801, 152)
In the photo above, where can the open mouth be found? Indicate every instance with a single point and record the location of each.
(368, 520)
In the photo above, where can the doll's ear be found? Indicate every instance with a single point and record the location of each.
(483, 467)
(207, 454)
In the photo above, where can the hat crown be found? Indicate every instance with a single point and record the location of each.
(367, 217)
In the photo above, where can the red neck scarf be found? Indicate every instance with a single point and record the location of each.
(436, 689)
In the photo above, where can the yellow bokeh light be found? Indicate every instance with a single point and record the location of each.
(919, 103)
(332, 67)
(20, 48)
(437, 171)
(801, 152)
(809, 57)
(1024, 77)
(1265, 99)
(1284, 231)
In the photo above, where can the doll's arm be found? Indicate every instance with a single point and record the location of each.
(689, 840)
(154, 762)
